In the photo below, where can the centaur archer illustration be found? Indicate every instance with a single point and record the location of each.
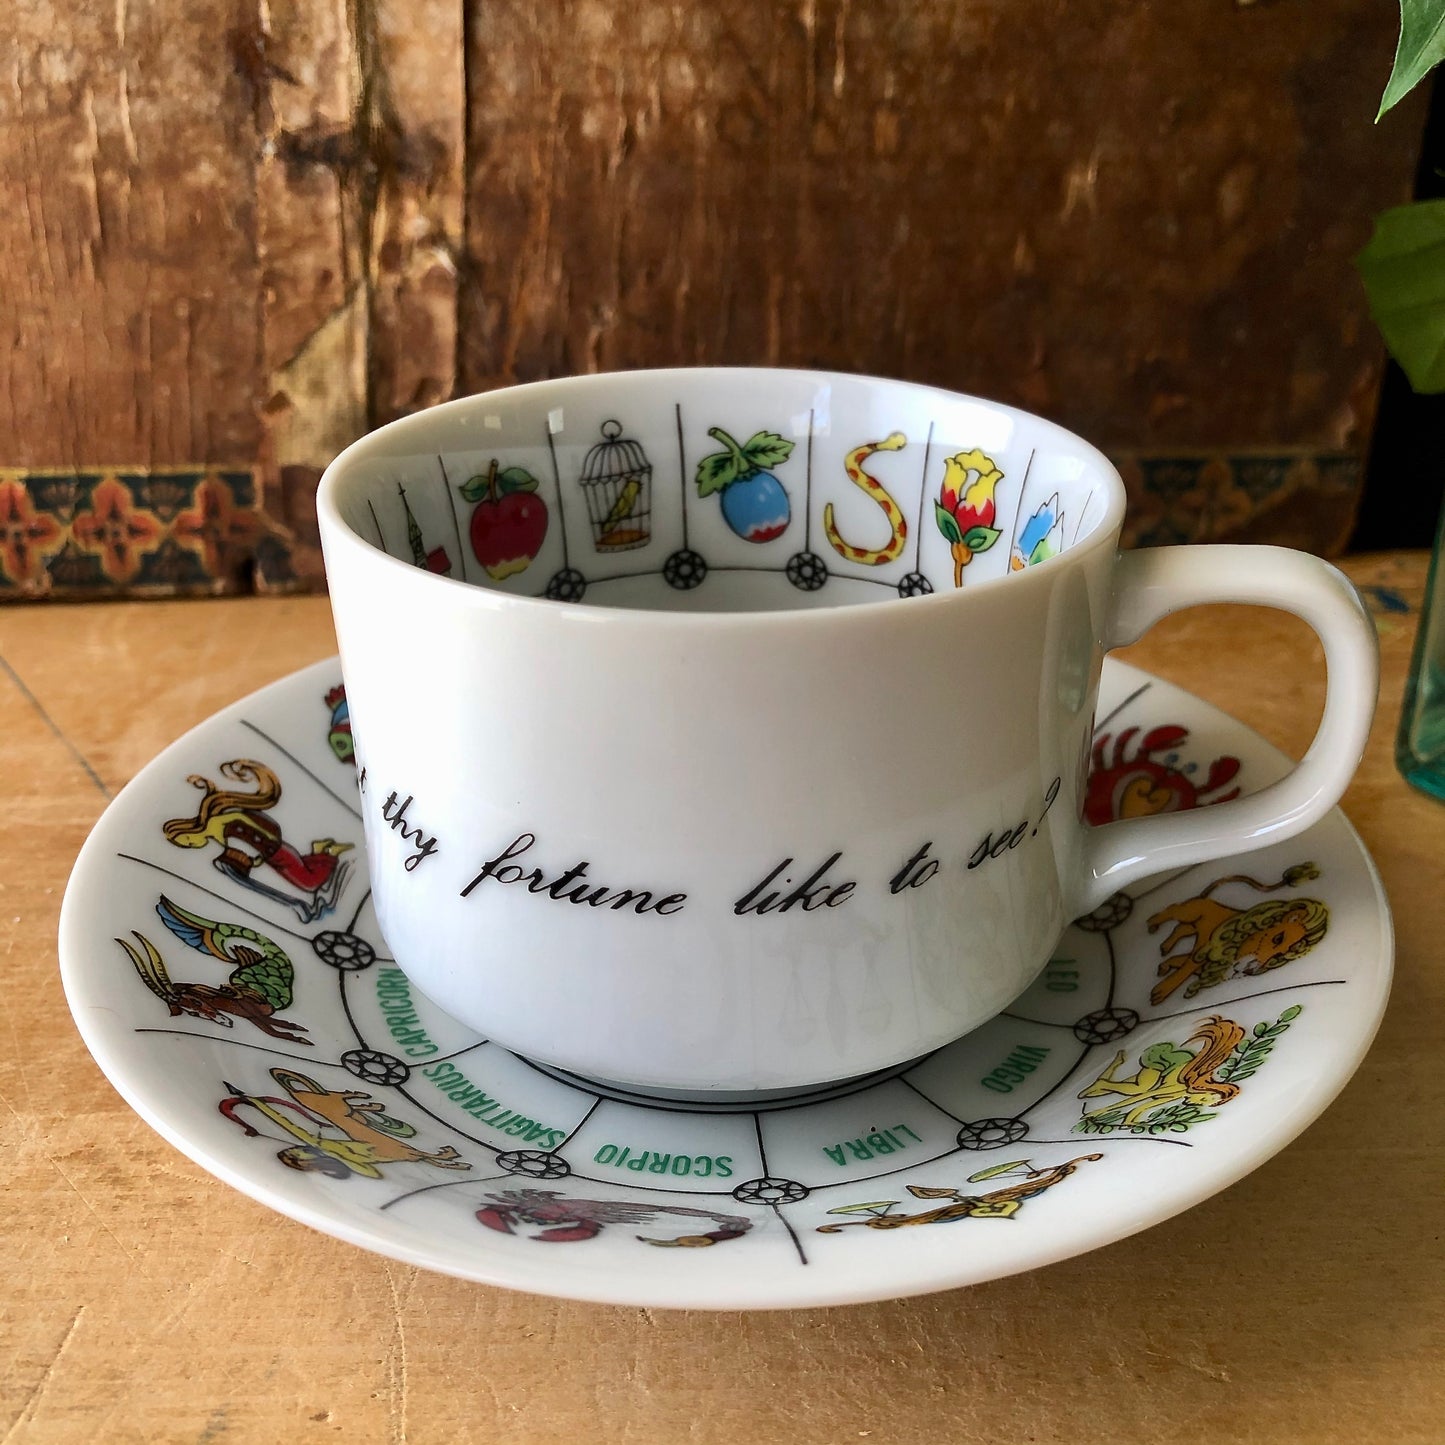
(316, 1116)
(250, 840)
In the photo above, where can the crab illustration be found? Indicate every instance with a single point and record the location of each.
(1134, 780)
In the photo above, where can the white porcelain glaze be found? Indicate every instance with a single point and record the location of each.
(700, 747)
(1006, 1150)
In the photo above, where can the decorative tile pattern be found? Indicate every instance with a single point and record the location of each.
(130, 531)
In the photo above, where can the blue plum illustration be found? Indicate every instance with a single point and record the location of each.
(754, 502)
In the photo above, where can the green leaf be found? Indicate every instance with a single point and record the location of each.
(474, 489)
(716, 472)
(946, 523)
(1292, 1012)
(766, 449)
(515, 479)
(1404, 272)
(980, 539)
(1421, 48)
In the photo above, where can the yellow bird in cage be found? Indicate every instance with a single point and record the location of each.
(611, 532)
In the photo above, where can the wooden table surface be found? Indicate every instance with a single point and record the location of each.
(146, 1301)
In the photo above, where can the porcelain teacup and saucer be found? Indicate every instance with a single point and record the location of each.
(682, 858)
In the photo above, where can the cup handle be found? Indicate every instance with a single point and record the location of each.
(1151, 583)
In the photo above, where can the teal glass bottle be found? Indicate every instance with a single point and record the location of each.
(1420, 745)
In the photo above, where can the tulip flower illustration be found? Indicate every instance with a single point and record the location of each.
(965, 507)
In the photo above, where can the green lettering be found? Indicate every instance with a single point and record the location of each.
(659, 1163)
(725, 1167)
(682, 1164)
(835, 1153)
(605, 1155)
(860, 1149)
(640, 1163)
(699, 1170)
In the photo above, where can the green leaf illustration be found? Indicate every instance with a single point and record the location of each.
(515, 479)
(474, 488)
(1420, 49)
(946, 523)
(1404, 273)
(766, 449)
(980, 539)
(714, 473)
(1251, 1051)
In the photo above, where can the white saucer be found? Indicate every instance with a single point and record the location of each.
(430, 1146)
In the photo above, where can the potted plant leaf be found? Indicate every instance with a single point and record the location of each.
(1404, 272)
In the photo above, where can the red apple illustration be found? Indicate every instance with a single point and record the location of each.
(509, 521)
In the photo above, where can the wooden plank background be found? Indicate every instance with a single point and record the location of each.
(239, 232)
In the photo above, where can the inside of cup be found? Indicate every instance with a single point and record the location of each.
(722, 490)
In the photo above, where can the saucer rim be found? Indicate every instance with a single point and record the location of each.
(745, 1289)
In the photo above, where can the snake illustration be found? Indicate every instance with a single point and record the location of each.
(853, 465)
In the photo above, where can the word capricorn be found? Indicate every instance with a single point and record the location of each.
(571, 886)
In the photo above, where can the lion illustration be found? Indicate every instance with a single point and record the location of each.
(1222, 942)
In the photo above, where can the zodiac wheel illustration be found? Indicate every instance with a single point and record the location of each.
(768, 1190)
(684, 570)
(345, 951)
(1105, 1025)
(375, 1066)
(534, 1164)
(991, 1133)
(1109, 914)
(807, 571)
(567, 585)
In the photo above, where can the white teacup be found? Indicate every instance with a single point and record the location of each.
(727, 729)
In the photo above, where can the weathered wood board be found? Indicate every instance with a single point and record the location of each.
(237, 233)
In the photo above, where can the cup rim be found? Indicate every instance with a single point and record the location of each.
(336, 531)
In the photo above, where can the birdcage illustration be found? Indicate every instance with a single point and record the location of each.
(617, 482)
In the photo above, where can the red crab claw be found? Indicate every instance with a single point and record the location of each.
(1121, 745)
(1097, 758)
(584, 1229)
(494, 1218)
(1157, 739)
(1221, 771)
